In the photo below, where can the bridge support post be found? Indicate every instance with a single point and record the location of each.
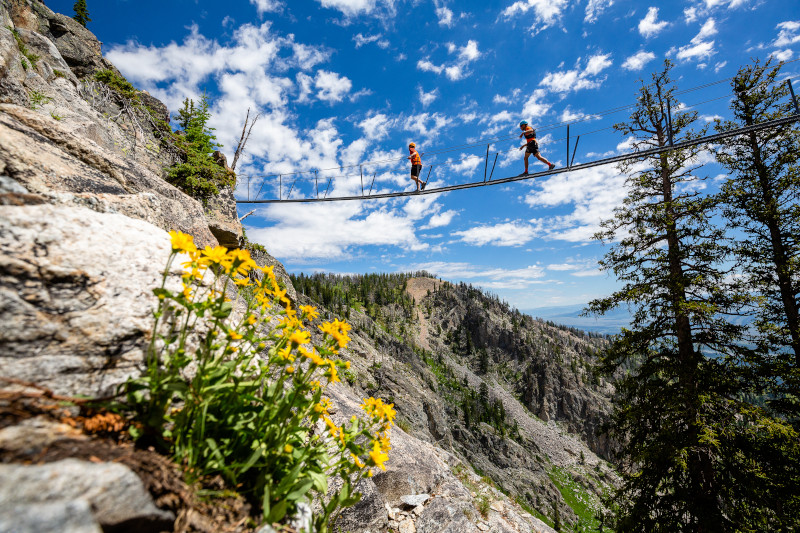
(361, 169)
(248, 188)
(794, 98)
(280, 186)
(574, 150)
(316, 182)
(493, 164)
(486, 163)
(371, 184)
(567, 145)
(669, 122)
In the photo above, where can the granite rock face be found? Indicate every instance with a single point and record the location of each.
(75, 287)
(72, 139)
(115, 495)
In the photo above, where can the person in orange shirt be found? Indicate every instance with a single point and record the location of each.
(532, 147)
(416, 166)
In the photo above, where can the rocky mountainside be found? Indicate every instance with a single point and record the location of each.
(85, 210)
(511, 396)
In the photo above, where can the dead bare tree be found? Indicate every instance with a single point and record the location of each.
(244, 138)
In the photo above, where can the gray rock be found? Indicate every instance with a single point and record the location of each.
(222, 218)
(413, 500)
(116, 495)
(71, 516)
(48, 159)
(75, 295)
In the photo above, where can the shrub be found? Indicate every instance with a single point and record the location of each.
(198, 175)
(117, 83)
(246, 402)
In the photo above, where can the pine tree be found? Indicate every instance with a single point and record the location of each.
(762, 200)
(81, 12)
(691, 462)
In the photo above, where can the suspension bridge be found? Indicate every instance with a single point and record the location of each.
(315, 194)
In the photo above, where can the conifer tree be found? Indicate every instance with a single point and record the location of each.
(81, 12)
(691, 455)
(762, 200)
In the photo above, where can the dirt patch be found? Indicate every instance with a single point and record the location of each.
(418, 289)
(226, 512)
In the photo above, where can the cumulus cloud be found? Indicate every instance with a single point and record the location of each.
(788, 35)
(650, 25)
(331, 86)
(595, 8)
(546, 12)
(427, 125)
(456, 69)
(440, 219)
(504, 234)
(576, 79)
(699, 48)
(267, 6)
(427, 99)
(361, 39)
(638, 60)
(445, 16)
(536, 105)
(486, 277)
(352, 8)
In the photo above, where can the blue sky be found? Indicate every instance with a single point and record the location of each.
(340, 83)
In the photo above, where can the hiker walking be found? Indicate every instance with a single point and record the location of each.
(532, 147)
(416, 165)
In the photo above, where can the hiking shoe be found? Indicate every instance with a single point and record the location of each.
(552, 166)
(423, 186)
(524, 173)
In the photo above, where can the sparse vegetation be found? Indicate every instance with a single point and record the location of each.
(38, 99)
(28, 59)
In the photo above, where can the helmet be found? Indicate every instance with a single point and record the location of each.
(523, 123)
(412, 145)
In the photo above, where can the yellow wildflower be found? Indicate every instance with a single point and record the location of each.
(288, 448)
(182, 242)
(378, 456)
(251, 319)
(290, 370)
(359, 463)
(234, 335)
(310, 312)
(217, 255)
(300, 337)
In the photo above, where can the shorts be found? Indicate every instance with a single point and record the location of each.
(533, 148)
(415, 170)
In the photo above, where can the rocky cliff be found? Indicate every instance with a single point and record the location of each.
(83, 222)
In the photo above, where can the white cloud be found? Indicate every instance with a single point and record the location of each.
(597, 64)
(788, 34)
(427, 99)
(504, 234)
(489, 278)
(362, 39)
(593, 193)
(377, 126)
(546, 12)
(352, 8)
(267, 6)
(427, 125)
(719, 66)
(690, 14)
(426, 66)
(445, 16)
(465, 166)
(575, 80)
(708, 29)
(595, 8)
(325, 231)
(535, 105)
(696, 51)
(331, 86)
(782, 55)
(456, 70)
(649, 25)
(638, 60)
(440, 219)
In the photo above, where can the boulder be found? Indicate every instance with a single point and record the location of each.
(65, 516)
(47, 159)
(75, 295)
(115, 494)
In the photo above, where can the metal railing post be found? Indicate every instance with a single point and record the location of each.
(493, 164)
(574, 150)
(567, 145)
(486, 163)
(794, 98)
